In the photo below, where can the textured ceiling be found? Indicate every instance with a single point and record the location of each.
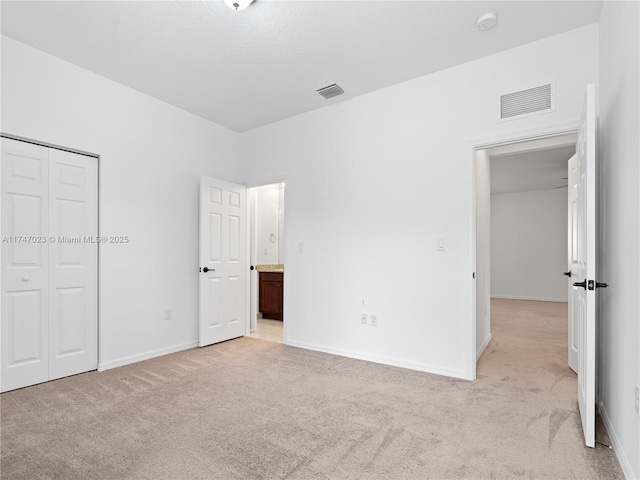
(528, 171)
(250, 68)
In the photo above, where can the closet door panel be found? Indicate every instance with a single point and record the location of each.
(73, 263)
(25, 217)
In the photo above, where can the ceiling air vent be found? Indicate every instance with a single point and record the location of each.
(330, 91)
(527, 102)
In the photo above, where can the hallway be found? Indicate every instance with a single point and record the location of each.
(526, 360)
(528, 338)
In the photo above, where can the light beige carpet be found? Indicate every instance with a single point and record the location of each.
(251, 409)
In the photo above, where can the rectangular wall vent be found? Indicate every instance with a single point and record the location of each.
(330, 91)
(526, 102)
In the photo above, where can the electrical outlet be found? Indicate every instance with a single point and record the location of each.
(364, 318)
(168, 314)
(638, 399)
(374, 320)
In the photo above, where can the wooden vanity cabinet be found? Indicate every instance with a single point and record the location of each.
(271, 294)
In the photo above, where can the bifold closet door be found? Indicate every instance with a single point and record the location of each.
(73, 260)
(49, 264)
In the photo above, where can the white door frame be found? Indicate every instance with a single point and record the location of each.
(98, 260)
(253, 293)
(479, 144)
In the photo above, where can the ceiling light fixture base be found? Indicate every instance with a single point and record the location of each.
(238, 5)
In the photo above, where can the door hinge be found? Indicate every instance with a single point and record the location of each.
(474, 275)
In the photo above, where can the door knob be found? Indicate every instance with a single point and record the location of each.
(25, 278)
(601, 285)
(568, 274)
(581, 284)
(207, 269)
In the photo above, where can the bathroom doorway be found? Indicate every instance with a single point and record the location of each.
(266, 251)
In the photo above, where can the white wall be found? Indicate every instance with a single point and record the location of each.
(619, 265)
(529, 245)
(151, 158)
(267, 224)
(373, 182)
(483, 251)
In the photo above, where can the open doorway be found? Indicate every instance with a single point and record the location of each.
(266, 250)
(521, 228)
(524, 330)
(550, 370)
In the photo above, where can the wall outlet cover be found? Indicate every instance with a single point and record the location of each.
(374, 320)
(363, 318)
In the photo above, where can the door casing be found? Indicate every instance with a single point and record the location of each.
(480, 144)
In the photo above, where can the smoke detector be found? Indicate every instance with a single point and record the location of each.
(486, 21)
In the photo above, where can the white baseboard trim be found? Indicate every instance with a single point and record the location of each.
(512, 297)
(421, 367)
(481, 349)
(102, 366)
(617, 447)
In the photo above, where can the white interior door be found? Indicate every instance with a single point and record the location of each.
(25, 260)
(49, 264)
(572, 260)
(585, 281)
(223, 267)
(73, 272)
